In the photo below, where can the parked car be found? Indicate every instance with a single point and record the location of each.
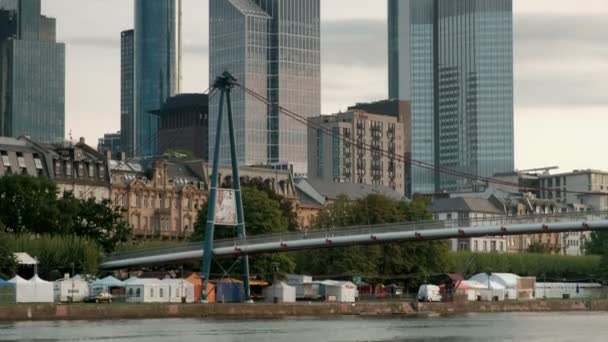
(103, 297)
(429, 293)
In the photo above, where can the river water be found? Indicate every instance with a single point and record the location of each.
(472, 327)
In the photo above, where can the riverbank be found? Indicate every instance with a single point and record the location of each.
(50, 312)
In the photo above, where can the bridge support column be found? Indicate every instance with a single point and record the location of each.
(224, 84)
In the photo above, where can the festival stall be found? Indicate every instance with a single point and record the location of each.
(73, 289)
(280, 293)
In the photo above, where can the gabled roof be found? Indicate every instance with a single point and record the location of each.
(332, 190)
(465, 204)
(249, 8)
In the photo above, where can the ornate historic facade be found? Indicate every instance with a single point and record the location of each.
(162, 203)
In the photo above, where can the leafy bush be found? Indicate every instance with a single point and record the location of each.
(56, 254)
(551, 267)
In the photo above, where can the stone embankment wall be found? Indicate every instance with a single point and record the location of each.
(25, 312)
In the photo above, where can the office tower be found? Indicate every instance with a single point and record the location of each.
(32, 76)
(183, 125)
(157, 44)
(454, 61)
(127, 92)
(273, 48)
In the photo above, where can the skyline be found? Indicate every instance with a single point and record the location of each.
(542, 96)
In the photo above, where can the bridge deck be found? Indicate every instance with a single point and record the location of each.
(332, 237)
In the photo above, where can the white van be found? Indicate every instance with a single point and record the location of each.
(429, 293)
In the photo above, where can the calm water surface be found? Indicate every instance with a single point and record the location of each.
(475, 327)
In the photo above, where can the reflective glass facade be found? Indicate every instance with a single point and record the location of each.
(273, 48)
(454, 61)
(157, 66)
(127, 91)
(32, 76)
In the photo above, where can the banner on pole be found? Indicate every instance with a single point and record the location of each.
(225, 208)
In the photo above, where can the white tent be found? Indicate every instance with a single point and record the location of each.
(43, 290)
(507, 282)
(178, 289)
(105, 285)
(25, 259)
(146, 291)
(340, 291)
(75, 289)
(282, 292)
(35, 290)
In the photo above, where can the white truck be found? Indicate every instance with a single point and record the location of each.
(429, 293)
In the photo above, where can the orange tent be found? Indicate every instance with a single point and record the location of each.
(198, 286)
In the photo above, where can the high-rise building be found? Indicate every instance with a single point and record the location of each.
(157, 43)
(183, 126)
(110, 143)
(32, 73)
(127, 92)
(357, 147)
(273, 48)
(454, 61)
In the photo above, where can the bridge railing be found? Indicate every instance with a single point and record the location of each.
(333, 232)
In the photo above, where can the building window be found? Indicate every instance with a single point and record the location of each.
(502, 246)
(485, 246)
(493, 246)
(5, 160)
(68, 168)
(21, 160)
(476, 243)
(449, 216)
(102, 171)
(38, 162)
(91, 170)
(57, 168)
(161, 293)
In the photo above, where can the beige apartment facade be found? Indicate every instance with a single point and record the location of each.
(357, 147)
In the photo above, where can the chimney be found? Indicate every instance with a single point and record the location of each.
(123, 156)
(81, 141)
(108, 155)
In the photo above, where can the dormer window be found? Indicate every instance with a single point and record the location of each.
(5, 160)
(38, 162)
(68, 168)
(21, 160)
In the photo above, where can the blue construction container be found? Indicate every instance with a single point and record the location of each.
(229, 292)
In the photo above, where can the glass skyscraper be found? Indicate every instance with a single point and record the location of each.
(273, 48)
(157, 44)
(454, 61)
(32, 76)
(127, 92)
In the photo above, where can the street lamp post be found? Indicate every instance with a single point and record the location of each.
(72, 293)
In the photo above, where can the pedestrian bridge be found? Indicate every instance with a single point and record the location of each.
(365, 235)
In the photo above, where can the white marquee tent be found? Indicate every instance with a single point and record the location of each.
(146, 291)
(34, 290)
(75, 289)
(283, 292)
(340, 291)
(178, 289)
(105, 285)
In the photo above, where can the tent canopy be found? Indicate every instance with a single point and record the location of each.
(25, 259)
(506, 280)
(37, 280)
(18, 280)
(109, 281)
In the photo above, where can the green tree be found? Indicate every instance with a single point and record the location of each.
(8, 264)
(28, 204)
(597, 244)
(537, 248)
(389, 260)
(263, 215)
(94, 220)
(56, 254)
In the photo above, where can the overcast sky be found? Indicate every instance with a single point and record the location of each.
(561, 69)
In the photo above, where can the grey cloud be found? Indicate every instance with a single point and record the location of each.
(560, 60)
(355, 42)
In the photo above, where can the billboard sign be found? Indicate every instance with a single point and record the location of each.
(225, 208)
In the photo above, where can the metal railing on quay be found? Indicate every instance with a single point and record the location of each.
(367, 229)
